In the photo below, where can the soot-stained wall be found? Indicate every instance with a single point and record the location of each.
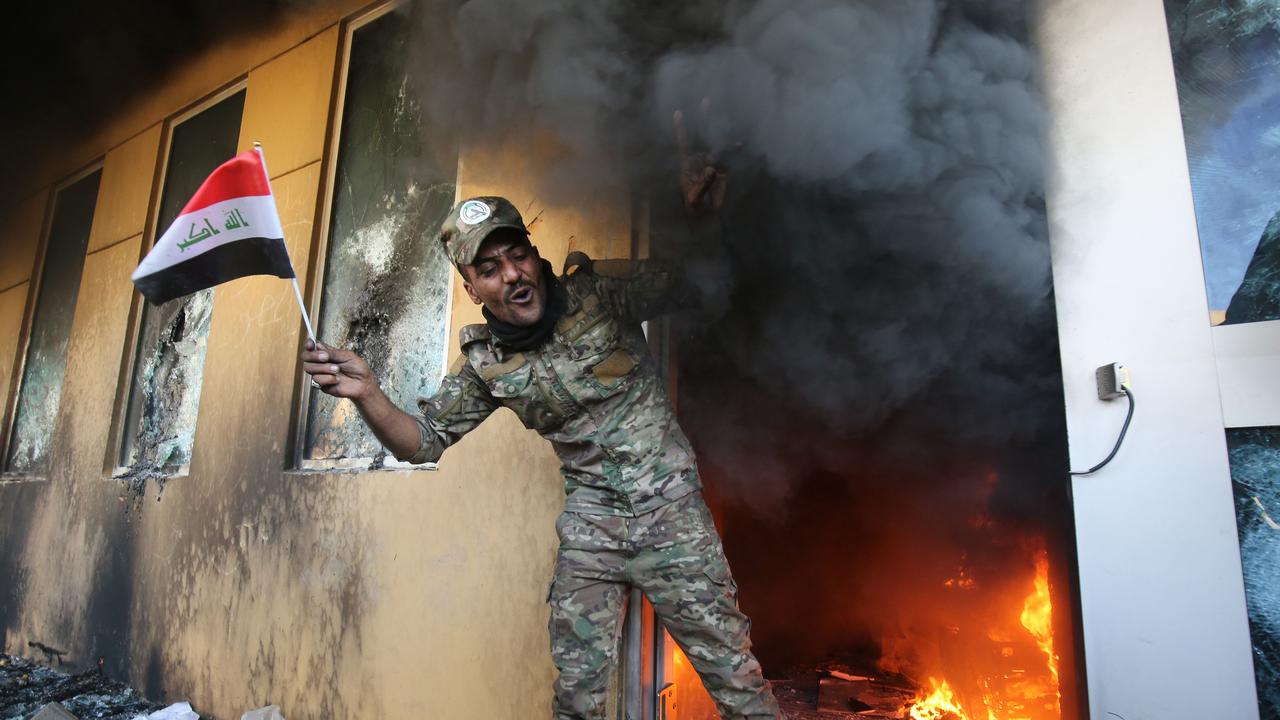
(338, 595)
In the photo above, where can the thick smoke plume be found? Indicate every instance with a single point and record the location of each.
(874, 394)
(885, 226)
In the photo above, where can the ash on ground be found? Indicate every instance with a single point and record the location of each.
(25, 687)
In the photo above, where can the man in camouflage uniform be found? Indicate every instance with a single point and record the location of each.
(568, 356)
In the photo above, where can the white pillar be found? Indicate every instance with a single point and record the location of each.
(1163, 612)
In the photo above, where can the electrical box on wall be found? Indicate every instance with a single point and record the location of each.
(1112, 379)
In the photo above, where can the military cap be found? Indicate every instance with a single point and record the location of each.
(471, 221)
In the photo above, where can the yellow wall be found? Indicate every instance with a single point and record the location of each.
(23, 223)
(389, 594)
(12, 303)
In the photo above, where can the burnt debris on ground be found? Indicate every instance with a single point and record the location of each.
(837, 690)
(26, 687)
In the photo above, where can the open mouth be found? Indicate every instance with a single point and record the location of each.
(522, 296)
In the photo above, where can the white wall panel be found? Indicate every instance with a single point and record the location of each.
(1165, 629)
(1249, 373)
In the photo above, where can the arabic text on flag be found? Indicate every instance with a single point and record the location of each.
(229, 229)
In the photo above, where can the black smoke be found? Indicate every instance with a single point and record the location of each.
(886, 247)
(875, 393)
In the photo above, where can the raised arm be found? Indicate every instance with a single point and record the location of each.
(641, 289)
(644, 289)
(457, 408)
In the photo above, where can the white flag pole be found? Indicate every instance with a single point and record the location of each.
(306, 318)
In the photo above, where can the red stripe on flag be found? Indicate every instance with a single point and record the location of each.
(240, 176)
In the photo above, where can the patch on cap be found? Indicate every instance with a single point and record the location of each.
(474, 212)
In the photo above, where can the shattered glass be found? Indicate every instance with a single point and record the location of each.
(167, 377)
(164, 397)
(41, 392)
(386, 279)
(1255, 477)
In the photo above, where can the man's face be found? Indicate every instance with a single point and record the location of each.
(506, 277)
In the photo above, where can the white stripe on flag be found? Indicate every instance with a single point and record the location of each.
(193, 234)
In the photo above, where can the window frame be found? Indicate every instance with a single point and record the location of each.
(35, 282)
(298, 464)
(111, 466)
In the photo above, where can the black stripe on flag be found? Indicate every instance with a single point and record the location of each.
(251, 256)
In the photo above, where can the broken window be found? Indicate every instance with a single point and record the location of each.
(46, 361)
(386, 280)
(164, 395)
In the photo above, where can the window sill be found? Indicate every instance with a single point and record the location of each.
(355, 466)
(17, 478)
(173, 472)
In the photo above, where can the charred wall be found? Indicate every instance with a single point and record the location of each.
(374, 594)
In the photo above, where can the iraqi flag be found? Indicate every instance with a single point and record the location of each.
(228, 230)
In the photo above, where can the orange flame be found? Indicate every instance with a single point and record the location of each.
(940, 704)
(1037, 617)
(1013, 693)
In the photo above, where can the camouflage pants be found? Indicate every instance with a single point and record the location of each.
(674, 556)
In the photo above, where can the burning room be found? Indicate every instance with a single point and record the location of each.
(906, 234)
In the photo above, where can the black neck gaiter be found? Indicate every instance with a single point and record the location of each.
(528, 337)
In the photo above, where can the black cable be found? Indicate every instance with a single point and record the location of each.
(1132, 403)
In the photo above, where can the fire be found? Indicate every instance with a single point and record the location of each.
(1011, 692)
(1037, 613)
(941, 704)
(962, 581)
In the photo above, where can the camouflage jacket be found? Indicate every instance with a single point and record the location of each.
(592, 390)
